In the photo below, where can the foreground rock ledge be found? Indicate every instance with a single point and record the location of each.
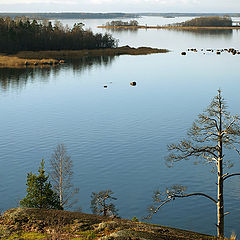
(26, 223)
(49, 58)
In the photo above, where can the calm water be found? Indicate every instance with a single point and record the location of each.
(117, 136)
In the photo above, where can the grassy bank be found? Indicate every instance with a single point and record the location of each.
(24, 223)
(46, 58)
(64, 54)
(167, 27)
(17, 62)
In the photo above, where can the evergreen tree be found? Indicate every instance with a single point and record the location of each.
(39, 191)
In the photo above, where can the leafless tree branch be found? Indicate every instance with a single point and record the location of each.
(230, 175)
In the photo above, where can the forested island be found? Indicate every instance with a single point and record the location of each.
(122, 23)
(210, 21)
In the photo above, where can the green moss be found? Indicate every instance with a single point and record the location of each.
(86, 235)
(27, 236)
(33, 236)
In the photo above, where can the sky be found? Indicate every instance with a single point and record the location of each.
(120, 6)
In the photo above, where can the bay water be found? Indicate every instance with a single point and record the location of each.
(117, 136)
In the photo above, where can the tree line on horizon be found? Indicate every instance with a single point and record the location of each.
(23, 34)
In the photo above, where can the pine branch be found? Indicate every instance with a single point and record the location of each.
(230, 175)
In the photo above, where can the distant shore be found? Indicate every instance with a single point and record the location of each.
(49, 58)
(167, 27)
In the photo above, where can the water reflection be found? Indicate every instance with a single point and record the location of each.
(210, 33)
(90, 62)
(132, 30)
(200, 32)
(18, 78)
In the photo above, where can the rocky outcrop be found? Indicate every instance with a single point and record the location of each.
(25, 223)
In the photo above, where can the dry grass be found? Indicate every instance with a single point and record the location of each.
(74, 54)
(233, 236)
(16, 62)
(47, 58)
(57, 224)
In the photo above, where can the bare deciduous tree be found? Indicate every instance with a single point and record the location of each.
(101, 203)
(61, 175)
(214, 130)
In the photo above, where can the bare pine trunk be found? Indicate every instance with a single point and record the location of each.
(220, 208)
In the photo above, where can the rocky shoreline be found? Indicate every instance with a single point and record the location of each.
(29, 223)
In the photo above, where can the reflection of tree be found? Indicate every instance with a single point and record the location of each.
(132, 30)
(18, 78)
(227, 33)
(89, 62)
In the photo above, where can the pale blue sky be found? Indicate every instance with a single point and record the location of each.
(120, 5)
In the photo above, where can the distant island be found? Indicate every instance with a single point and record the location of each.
(210, 22)
(119, 23)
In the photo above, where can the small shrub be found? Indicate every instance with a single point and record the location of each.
(233, 236)
(135, 219)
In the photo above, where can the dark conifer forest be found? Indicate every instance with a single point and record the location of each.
(22, 34)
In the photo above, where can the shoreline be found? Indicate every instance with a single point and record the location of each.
(52, 58)
(166, 27)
